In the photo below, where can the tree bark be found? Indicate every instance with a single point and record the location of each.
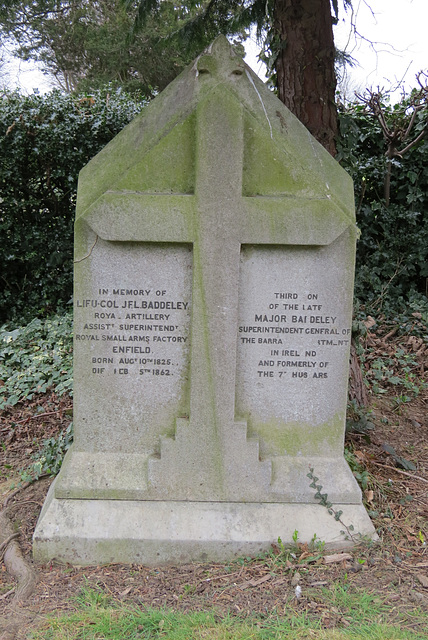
(306, 77)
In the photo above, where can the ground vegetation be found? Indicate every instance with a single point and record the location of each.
(377, 590)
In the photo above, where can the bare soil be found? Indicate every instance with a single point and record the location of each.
(396, 568)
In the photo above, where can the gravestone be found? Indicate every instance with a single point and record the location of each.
(214, 261)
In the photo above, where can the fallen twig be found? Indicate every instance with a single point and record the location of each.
(227, 575)
(21, 488)
(43, 415)
(21, 502)
(390, 334)
(404, 473)
(14, 493)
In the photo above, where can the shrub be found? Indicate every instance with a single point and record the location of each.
(392, 252)
(44, 142)
(36, 357)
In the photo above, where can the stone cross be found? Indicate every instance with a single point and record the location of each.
(211, 457)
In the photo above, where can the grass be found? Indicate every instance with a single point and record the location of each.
(355, 614)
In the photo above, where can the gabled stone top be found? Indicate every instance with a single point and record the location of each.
(156, 153)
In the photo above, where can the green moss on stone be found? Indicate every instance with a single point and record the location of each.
(169, 167)
(268, 167)
(300, 438)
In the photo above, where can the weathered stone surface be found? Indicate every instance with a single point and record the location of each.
(131, 365)
(162, 532)
(215, 243)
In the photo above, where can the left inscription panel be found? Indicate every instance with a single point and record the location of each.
(132, 312)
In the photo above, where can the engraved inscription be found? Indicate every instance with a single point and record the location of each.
(274, 328)
(293, 334)
(132, 306)
(140, 328)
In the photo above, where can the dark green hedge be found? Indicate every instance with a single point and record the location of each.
(44, 142)
(392, 252)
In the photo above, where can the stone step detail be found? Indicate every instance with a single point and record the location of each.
(243, 476)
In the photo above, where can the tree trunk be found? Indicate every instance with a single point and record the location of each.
(306, 78)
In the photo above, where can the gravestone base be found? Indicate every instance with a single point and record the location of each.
(88, 532)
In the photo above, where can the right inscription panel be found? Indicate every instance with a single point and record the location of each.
(294, 332)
